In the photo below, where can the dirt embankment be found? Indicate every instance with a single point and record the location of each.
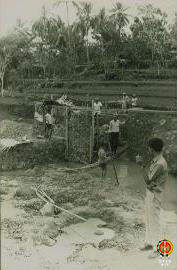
(81, 194)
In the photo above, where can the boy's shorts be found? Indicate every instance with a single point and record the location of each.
(49, 126)
(103, 165)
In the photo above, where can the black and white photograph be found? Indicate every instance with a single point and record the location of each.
(88, 133)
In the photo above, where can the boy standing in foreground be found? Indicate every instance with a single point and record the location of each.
(102, 159)
(155, 176)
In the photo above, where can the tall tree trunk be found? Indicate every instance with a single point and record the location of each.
(88, 57)
(2, 85)
(87, 48)
(67, 14)
(69, 36)
(102, 50)
(158, 68)
(44, 71)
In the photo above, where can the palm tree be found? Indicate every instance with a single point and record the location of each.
(8, 49)
(99, 24)
(119, 17)
(84, 10)
(66, 3)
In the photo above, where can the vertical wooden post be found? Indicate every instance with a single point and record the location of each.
(106, 106)
(35, 126)
(91, 147)
(92, 132)
(67, 133)
(44, 123)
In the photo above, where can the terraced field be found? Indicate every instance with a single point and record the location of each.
(151, 93)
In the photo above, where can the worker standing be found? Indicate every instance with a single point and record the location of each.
(97, 107)
(114, 129)
(125, 102)
(134, 101)
(49, 124)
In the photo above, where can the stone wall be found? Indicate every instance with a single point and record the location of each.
(142, 125)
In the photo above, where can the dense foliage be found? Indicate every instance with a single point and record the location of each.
(104, 43)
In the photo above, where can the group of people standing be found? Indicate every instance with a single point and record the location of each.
(126, 103)
(129, 102)
(155, 173)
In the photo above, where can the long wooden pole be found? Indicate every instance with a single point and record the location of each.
(56, 206)
(115, 172)
(91, 147)
(114, 167)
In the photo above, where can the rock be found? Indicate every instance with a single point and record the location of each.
(106, 203)
(99, 232)
(47, 209)
(162, 122)
(51, 229)
(102, 225)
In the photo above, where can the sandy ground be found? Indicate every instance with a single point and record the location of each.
(108, 240)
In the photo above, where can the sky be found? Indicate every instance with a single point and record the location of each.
(29, 10)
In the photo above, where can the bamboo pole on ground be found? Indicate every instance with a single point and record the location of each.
(114, 167)
(41, 196)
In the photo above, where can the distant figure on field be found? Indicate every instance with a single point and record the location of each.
(102, 159)
(114, 129)
(134, 101)
(125, 101)
(97, 107)
(155, 176)
(49, 124)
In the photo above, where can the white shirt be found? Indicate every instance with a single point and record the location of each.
(134, 101)
(49, 119)
(114, 126)
(97, 107)
(156, 162)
